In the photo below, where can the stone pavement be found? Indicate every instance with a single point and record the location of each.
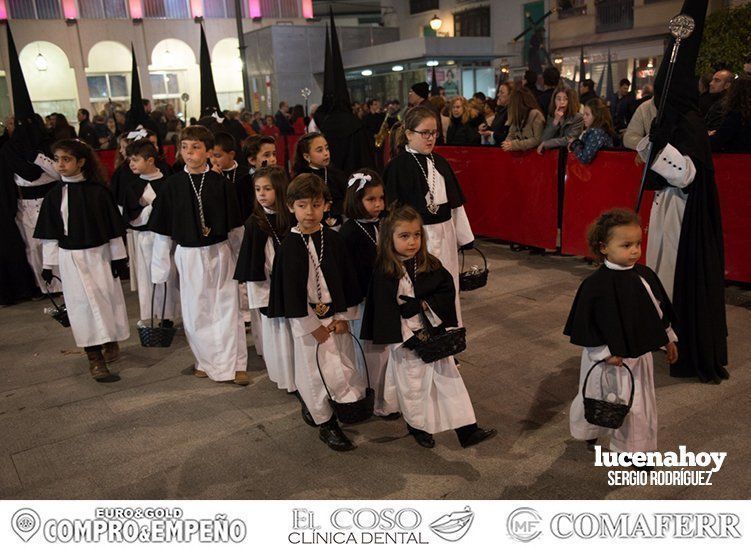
(162, 433)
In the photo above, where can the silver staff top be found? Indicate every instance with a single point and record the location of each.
(681, 26)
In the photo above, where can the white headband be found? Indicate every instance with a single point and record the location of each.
(361, 177)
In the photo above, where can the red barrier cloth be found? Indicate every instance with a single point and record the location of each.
(510, 196)
(733, 177)
(291, 141)
(611, 180)
(107, 158)
(169, 154)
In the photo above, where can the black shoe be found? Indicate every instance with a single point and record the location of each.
(334, 437)
(391, 417)
(477, 436)
(723, 373)
(423, 438)
(591, 443)
(306, 416)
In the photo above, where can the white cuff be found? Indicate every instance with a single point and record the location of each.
(160, 259)
(461, 226)
(50, 254)
(677, 169)
(117, 249)
(671, 334)
(47, 165)
(305, 325)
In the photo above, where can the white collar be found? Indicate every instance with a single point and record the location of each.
(268, 210)
(185, 169)
(151, 176)
(296, 230)
(617, 267)
(413, 151)
(74, 178)
(312, 167)
(232, 168)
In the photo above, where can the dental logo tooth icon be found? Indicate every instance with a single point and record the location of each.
(25, 523)
(454, 526)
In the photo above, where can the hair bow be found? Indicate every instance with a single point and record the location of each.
(217, 117)
(362, 178)
(138, 133)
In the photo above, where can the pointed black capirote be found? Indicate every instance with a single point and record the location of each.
(341, 93)
(582, 67)
(327, 102)
(209, 100)
(23, 109)
(137, 114)
(433, 84)
(610, 88)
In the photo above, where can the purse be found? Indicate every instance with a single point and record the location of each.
(475, 277)
(351, 412)
(160, 335)
(60, 313)
(604, 413)
(436, 343)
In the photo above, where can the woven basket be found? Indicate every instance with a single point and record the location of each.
(471, 280)
(61, 311)
(604, 413)
(436, 343)
(351, 412)
(160, 335)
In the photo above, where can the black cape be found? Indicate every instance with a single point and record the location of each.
(289, 276)
(382, 321)
(93, 217)
(134, 188)
(336, 180)
(361, 249)
(176, 215)
(246, 194)
(613, 308)
(251, 260)
(405, 184)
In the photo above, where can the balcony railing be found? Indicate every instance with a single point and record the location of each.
(614, 15)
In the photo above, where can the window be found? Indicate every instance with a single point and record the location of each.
(35, 9)
(166, 9)
(221, 8)
(164, 84)
(102, 9)
(419, 6)
(475, 22)
(276, 9)
(108, 86)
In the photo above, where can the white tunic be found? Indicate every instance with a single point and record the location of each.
(143, 249)
(210, 306)
(93, 297)
(666, 217)
(336, 355)
(26, 219)
(639, 430)
(445, 238)
(432, 397)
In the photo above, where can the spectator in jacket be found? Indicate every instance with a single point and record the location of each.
(639, 126)
(496, 133)
(734, 134)
(525, 122)
(460, 130)
(598, 132)
(551, 78)
(718, 87)
(587, 91)
(86, 131)
(624, 105)
(281, 119)
(564, 121)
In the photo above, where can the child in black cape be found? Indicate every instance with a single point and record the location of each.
(198, 211)
(259, 151)
(419, 178)
(312, 155)
(407, 279)
(620, 315)
(265, 229)
(314, 285)
(81, 231)
(364, 207)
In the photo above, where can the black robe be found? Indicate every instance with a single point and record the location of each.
(134, 188)
(175, 213)
(361, 249)
(406, 184)
(251, 260)
(246, 194)
(382, 320)
(93, 217)
(121, 179)
(289, 277)
(337, 184)
(613, 308)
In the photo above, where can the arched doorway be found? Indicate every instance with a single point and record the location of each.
(50, 79)
(226, 67)
(108, 76)
(173, 71)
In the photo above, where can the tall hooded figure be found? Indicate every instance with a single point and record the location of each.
(211, 115)
(27, 176)
(349, 142)
(685, 245)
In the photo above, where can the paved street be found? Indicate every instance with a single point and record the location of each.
(162, 433)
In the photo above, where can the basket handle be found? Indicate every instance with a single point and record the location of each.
(479, 251)
(630, 373)
(164, 302)
(48, 294)
(318, 365)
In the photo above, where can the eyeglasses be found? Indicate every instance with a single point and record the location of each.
(427, 134)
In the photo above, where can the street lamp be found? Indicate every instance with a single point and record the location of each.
(397, 68)
(41, 62)
(435, 23)
(367, 72)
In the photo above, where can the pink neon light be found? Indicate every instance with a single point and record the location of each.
(196, 8)
(254, 7)
(136, 9)
(307, 9)
(69, 9)
(3, 11)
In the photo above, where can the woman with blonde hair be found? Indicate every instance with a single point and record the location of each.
(461, 131)
(564, 120)
(525, 121)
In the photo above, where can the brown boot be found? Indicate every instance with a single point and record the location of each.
(241, 378)
(97, 365)
(111, 351)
